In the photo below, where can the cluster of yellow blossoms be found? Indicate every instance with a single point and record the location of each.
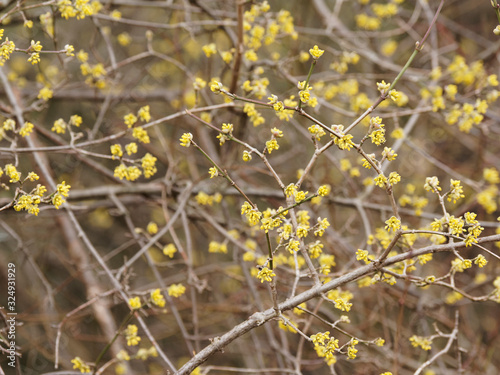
(148, 161)
(30, 201)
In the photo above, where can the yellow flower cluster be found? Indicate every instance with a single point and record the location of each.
(186, 139)
(157, 298)
(60, 125)
(130, 173)
(315, 249)
(344, 141)
(148, 165)
(255, 117)
(346, 58)
(169, 250)
(208, 200)
(257, 87)
(377, 129)
(78, 8)
(131, 335)
(62, 191)
(410, 198)
(366, 22)
(456, 191)
(34, 50)
(28, 202)
(79, 364)
(6, 49)
(265, 274)
(326, 262)
(209, 49)
(393, 223)
(134, 303)
(316, 53)
(419, 341)
(432, 184)
(176, 290)
(325, 346)
(217, 247)
(45, 93)
(26, 129)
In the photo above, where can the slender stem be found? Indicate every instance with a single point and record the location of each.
(313, 64)
(108, 346)
(270, 251)
(496, 6)
(418, 47)
(294, 205)
(224, 174)
(239, 49)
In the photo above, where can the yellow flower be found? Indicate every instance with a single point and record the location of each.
(131, 173)
(144, 113)
(124, 39)
(380, 180)
(480, 260)
(393, 224)
(176, 290)
(35, 46)
(75, 120)
(157, 298)
(123, 355)
(59, 126)
(134, 303)
(394, 178)
(82, 56)
(432, 184)
(69, 49)
(265, 274)
(78, 364)
(131, 148)
(216, 87)
(28, 202)
(423, 342)
(324, 190)
(141, 135)
(389, 47)
(250, 55)
(170, 250)
(213, 171)
(247, 156)
(63, 189)
(491, 175)
(209, 49)
(272, 145)
(130, 119)
(45, 93)
(152, 228)
(131, 335)
(116, 150)
(148, 165)
(342, 304)
(278, 107)
(116, 14)
(34, 58)
(26, 129)
(382, 86)
(300, 196)
(389, 154)
(316, 53)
